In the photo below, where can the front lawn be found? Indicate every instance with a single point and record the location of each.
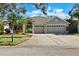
(5, 40)
(77, 34)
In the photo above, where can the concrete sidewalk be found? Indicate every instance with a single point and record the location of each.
(38, 51)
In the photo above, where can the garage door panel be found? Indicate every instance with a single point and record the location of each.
(38, 30)
(56, 29)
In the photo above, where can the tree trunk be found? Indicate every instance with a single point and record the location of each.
(12, 31)
(24, 28)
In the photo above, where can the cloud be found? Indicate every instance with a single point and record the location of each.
(55, 11)
(51, 12)
(60, 13)
(49, 9)
(34, 13)
(58, 10)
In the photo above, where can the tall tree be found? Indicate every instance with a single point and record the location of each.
(12, 19)
(6, 8)
(74, 13)
(42, 6)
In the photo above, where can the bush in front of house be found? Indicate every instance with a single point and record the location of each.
(21, 33)
(1, 28)
(29, 30)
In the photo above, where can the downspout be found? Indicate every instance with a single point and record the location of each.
(78, 24)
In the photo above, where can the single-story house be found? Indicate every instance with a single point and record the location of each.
(50, 24)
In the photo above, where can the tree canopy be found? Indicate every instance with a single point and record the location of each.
(42, 6)
(6, 8)
(74, 12)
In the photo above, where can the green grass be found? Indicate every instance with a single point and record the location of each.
(77, 34)
(5, 40)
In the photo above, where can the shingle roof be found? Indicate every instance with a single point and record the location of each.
(39, 20)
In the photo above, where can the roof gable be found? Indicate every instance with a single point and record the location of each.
(56, 20)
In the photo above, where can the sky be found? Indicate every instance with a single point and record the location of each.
(53, 9)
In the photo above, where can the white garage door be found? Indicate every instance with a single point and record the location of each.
(38, 29)
(58, 29)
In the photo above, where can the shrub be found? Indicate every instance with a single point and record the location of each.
(29, 30)
(1, 32)
(73, 26)
(23, 33)
(1, 27)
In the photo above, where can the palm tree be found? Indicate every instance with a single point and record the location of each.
(12, 19)
(22, 21)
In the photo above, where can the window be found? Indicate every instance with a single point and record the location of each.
(62, 25)
(35, 26)
(52, 25)
(67, 28)
(48, 26)
(58, 25)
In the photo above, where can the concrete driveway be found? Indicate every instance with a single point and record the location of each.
(52, 40)
(39, 40)
(67, 40)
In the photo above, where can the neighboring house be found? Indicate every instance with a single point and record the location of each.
(50, 24)
(6, 25)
